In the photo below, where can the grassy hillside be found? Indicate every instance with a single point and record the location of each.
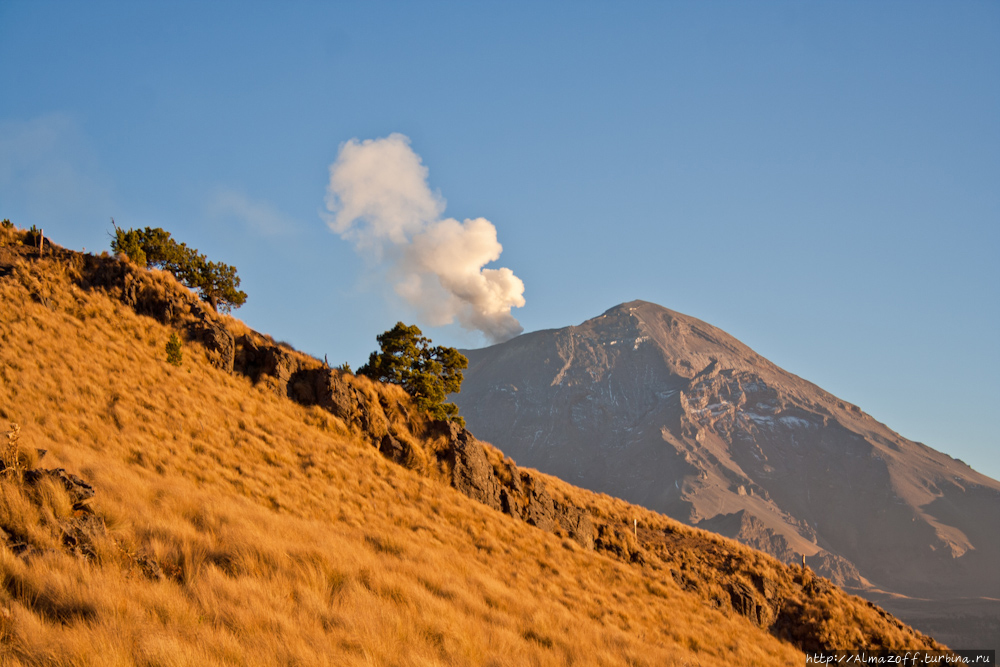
(232, 525)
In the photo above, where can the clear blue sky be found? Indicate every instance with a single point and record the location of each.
(821, 180)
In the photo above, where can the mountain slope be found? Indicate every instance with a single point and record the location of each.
(676, 415)
(231, 524)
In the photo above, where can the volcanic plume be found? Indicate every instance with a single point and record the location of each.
(379, 199)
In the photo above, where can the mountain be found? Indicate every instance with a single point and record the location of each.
(673, 414)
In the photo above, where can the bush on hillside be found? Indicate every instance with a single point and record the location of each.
(9, 235)
(174, 355)
(427, 373)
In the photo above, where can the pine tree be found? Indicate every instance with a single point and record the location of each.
(217, 283)
(174, 355)
(427, 373)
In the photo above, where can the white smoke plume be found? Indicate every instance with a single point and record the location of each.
(378, 198)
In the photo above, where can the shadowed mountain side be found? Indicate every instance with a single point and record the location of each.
(674, 414)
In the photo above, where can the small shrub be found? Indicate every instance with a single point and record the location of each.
(8, 233)
(32, 236)
(174, 355)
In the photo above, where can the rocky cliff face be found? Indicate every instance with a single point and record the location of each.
(671, 413)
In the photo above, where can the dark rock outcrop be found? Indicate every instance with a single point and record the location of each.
(79, 491)
(519, 493)
(750, 602)
(540, 509)
(393, 449)
(332, 391)
(138, 289)
(472, 473)
(256, 360)
(218, 341)
(79, 535)
(510, 503)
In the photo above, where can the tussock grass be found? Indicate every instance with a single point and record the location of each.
(243, 528)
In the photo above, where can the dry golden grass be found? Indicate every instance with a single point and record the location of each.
(282, 536)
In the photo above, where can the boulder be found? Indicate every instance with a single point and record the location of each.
(256, 360)
(393, 449)
(472, 473)
(747, 601)
(279, 364)
(333, 391)
(219, 342)
(540, 509)
(146, 298)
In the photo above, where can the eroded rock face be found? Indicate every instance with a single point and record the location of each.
(258, 359)
(513, 491)
(219, 342)
(510, 503)
(393, 449)
(747, 602)
(757, 601)
(472, 473)
(330, 390)
(540, 510)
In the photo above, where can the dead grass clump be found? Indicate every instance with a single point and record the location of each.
(16, 460)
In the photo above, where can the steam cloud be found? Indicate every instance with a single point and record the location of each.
(378, 198)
